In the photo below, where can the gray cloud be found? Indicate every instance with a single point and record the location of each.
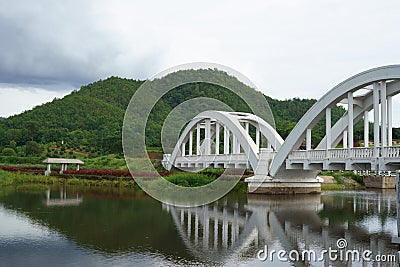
(51, 42)
(287, 48)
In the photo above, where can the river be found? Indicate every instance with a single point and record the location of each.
(75, 226)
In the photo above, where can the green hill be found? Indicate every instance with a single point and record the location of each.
(89, 120)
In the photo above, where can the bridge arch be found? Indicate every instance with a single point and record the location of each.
(384, 81)
(235, 123)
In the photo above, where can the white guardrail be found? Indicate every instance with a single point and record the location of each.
(213, 158)
(338, 153)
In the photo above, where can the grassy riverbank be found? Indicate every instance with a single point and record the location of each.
(200, 179)
(16, 178)
(181, 179)
(341, 181)
(102, 162)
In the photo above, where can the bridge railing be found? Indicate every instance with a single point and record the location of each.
(338, 153)
(213, 157)
(391, 152)
(362, 152)
(316, 154)
(341, 153)
(298, 154)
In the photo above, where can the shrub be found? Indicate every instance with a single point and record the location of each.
(20, 160)
(354, 176)
(189, 179)
(9, 152)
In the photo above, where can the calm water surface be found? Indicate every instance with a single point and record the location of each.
(91, 227)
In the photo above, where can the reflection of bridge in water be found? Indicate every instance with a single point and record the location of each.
(222, 232)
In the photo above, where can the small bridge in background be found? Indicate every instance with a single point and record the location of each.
(241, 140)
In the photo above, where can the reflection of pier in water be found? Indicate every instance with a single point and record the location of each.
(63, 200)
(221, 232)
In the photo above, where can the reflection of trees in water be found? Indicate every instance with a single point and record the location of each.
(110, 225)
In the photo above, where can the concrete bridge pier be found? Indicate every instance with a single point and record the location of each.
(285, 182)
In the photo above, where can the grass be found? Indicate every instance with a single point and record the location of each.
(189, 179)
(332, 187)
(102, 162)
(17, 179)
(200, 179)
(19, 161)
(105, 162)
(182, 179)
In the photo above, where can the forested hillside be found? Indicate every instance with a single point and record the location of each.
(89, 120)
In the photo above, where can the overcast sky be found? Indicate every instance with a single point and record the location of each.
(289, 49)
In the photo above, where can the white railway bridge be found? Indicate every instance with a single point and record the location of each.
(240, 140)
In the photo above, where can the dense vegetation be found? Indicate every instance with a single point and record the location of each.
(88, 122)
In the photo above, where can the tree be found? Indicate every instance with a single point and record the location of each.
(32, 149)
(8, 152)
(33, 129)
(13, 144)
